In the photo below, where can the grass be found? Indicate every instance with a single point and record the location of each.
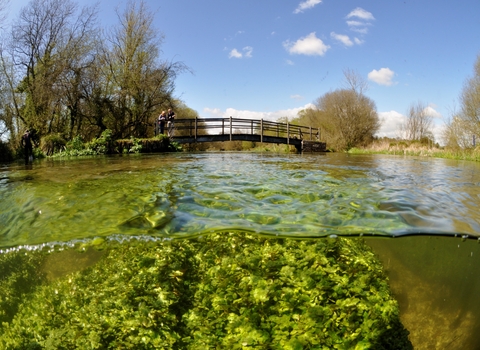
(408, 148)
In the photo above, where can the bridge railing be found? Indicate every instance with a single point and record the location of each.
(229, 126)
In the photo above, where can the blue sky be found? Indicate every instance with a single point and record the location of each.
(271, 58)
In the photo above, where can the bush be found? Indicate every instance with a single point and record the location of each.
(52, 143)
(225, 290)
(76, 144)
(102, 144)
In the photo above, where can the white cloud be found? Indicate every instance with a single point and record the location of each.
(245, 114)
(391, 122)
(438, 132)
(290, 63)
(309, 45)
(361, 20)
(247, 52)
(363, 30)
(355, 23)
(432, 112)
(358, 41)
(307, 4)
(362, 14)
(296, 97)
(344, 39)
(235, 54)
(383, 76)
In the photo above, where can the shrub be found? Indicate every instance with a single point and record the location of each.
(52, 143)
(102, 144)
(75, 144)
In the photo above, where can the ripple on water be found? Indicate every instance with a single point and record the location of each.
(182, 194)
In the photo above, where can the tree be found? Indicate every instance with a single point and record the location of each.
(464, 125)
(48, 41)
(346, 117)
(458, 133)
(139, 83)
(470, 100)
(354, 81)
(352, 117)
(418, 124)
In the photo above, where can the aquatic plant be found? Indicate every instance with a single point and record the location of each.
(231, 289)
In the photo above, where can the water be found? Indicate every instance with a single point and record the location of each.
(190, 194)
(57, 204)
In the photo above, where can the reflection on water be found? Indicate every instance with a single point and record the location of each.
(186, 195)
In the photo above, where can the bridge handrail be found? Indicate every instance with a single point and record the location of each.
(248, 126)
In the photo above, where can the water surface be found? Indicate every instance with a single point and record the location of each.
(418, 201)
(182, 195)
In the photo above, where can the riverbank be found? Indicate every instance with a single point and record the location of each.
(416, 149)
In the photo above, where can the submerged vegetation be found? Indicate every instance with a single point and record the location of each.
(221, 290)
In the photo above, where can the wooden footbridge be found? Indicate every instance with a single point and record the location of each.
(304, 138)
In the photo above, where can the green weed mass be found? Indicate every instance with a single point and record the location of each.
(230, 290)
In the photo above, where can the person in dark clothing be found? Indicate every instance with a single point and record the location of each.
(170, 119)
(161, 121)
(28, 146)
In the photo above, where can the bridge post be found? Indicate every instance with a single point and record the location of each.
(196, 124)
(288, 133)
(261, 130)
(230, 128)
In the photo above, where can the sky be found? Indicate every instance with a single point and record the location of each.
(272, 58)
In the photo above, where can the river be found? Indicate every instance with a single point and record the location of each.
(420, 215)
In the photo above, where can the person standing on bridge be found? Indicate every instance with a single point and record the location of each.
(161, 121)
(170, 122)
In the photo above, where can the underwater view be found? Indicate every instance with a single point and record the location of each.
(245, 250)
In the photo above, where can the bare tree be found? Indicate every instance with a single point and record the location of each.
(141, 83)
(458, 133)
(418, 124)
(354, 81)
(48, 42)
(470, 100)
(3, 11)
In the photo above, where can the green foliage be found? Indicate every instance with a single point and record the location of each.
(137, 146)
(19, 276)
(129, 301)
(224, 290)
(287, 294)
(102, 144)
(75, 144)
(52, 143)
(174, 147)
(106, 145)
